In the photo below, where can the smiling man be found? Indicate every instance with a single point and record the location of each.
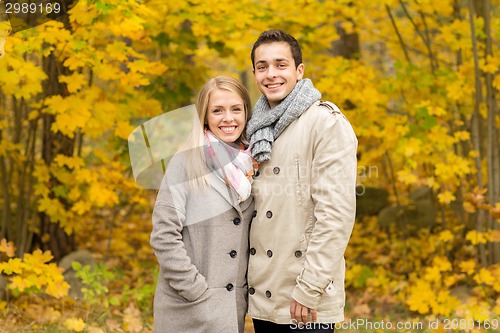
(304, 195)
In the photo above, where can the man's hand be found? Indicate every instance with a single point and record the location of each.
(301, 313)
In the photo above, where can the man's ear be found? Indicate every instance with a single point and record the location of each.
(300, 71)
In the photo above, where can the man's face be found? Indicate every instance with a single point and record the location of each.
(275, 71)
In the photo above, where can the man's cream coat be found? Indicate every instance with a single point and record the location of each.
(305, 202)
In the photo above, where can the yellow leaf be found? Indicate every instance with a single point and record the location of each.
(469, 208)
(69, 161)
(495, 235)
(75, 324)
(407, 177)
(101, 196)
(490, 65)
(485, 276)
(432, 274)
(19, 283)
(74, 82)
(445, 236)
(442, 263)
(13, 266)
(437, 111)
(462, 135)
(123, 129)
(476, 237)
(468, 267)
(446, 197)
(7, 248)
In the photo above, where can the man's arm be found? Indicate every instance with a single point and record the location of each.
(333, 184)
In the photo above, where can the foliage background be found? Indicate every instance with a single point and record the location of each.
(417, 79)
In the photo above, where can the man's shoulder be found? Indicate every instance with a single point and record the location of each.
(322, 110)
(332, 108)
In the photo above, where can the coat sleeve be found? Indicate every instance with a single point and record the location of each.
(169, 214)
(333, 192)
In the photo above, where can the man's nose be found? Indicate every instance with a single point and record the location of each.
(271, 72)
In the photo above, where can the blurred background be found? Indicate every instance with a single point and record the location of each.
(417, 79)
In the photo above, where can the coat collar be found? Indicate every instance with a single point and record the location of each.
(227, 192)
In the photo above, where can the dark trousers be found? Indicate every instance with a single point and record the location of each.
(262, 326)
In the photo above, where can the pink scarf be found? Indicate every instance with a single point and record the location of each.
(233, 165)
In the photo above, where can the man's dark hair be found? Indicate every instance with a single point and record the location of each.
(273, 36)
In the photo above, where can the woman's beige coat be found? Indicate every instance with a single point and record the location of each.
(305, 201)
(200, 238)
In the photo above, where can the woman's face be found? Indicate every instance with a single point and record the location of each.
(225, 115)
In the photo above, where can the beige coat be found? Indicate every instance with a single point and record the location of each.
(201, 241)
(305, 201)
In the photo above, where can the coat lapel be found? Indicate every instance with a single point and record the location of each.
(228, 193)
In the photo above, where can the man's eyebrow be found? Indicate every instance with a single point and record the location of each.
(274, 60)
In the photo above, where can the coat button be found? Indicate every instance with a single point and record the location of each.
(298, 254)
(253, 251)
(229, 287)
(268, 294)
(236, 221)
(233, 254)
(269, 253)
(254, 213)
(276, 170)
(251, 291)
(269, 214)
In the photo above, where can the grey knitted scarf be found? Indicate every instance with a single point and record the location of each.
(267, 124)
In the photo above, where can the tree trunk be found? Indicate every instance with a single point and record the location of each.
(492, 141)
(347, 46)
(51, 236)
(476, 128)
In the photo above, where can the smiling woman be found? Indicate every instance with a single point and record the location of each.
(226, 115)
(200, 228)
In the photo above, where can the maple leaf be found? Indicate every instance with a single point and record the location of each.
(7, 247)
(132, 319)
(13, 266)
(468, 266)
(446, 197)
(74, 324)
(486, 277)
(446, 236)
(476, 237)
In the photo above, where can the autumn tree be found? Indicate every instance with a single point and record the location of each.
(417, 79)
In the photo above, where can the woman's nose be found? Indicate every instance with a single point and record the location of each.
(228, 116)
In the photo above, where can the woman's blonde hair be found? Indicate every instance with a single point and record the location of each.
(196, 168)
